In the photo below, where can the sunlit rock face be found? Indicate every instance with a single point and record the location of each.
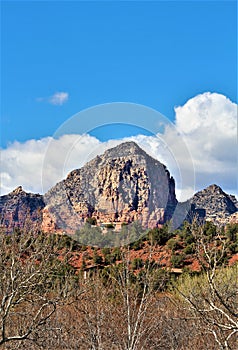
(122, 185)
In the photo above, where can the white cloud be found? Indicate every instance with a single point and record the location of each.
(21, 164)
(59, 98)
(31, 165)
(207, 124)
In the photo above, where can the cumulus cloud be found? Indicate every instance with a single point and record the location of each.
(39, 164)
(207, 124)
(21, 163)
(58, 99)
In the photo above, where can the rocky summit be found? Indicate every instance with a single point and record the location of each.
(218, 206)
(122, 185)
(19, 209)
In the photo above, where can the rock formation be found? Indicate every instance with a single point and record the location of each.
(123, 185)
(19, 209)
(217, 205)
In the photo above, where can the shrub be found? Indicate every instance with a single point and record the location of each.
(136, 245)
(189, 239)
(110, 226)
(91, 221)
(159, 235)
(116, 253)
(232, 232)
(97, 259)
(209, 229)
(173, 244)
(233, 248)
(189, 249)
(177, 260)
(137, 263)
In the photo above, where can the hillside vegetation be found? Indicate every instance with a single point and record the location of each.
(167, 290)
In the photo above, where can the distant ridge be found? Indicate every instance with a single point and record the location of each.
(217, 204)
(20, 209)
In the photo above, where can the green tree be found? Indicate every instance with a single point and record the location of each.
(97, 259)
(159, 235)
(173, 244)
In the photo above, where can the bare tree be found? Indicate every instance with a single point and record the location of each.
(137, 317)
(45, 304)
(33, 281)
(119, 309)
(212, 296)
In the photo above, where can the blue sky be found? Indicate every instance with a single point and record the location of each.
(59, 58)
(158, 54)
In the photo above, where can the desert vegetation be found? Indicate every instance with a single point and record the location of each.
(56, 293)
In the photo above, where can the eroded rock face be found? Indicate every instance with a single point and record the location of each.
(19, 209)
(123, 185)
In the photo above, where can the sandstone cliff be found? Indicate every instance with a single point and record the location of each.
(123, 185)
